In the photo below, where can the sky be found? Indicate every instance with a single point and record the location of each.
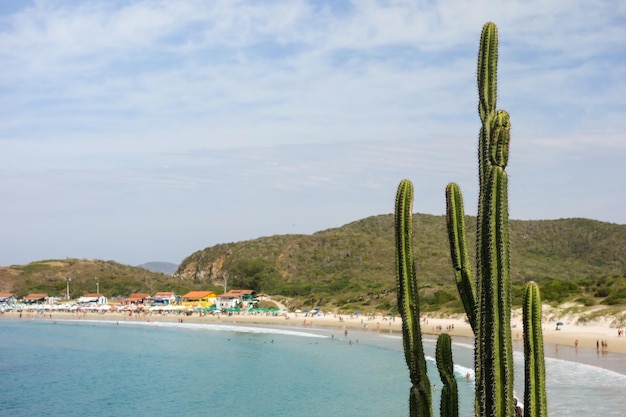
(139, 131)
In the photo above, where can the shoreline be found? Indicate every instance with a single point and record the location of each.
(558, 344)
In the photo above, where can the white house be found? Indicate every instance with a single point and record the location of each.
(92, 299)
(237, 298)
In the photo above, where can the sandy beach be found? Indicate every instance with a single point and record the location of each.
(571, 342)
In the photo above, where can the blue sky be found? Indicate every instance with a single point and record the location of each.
(143, 131)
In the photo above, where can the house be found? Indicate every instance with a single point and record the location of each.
(238, 298)
(7, 298)
(199, 298)
(137, 299)
(92, 300)
(35, 298)
(164, 298)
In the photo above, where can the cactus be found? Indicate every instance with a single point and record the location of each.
(487, 297)
(449, 406)
(535, 402)
(458, 249)
(408, 303)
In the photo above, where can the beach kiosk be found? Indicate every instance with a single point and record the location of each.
(199, 299)
(164, 299)
(238, 298)
(7, 298)
(92, 300)
(35, 298)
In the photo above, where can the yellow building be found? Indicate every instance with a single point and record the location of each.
(203, 299)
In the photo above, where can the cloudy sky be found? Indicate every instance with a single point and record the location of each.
(141, 131)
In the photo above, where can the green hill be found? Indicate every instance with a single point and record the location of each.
(353, 267)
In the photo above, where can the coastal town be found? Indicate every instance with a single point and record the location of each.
(193, 302)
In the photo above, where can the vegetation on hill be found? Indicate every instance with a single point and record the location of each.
(352, 268)
(113, 279)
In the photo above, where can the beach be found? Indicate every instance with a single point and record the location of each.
(571, 342)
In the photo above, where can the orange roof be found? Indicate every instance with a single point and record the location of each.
(164, 294)
(199, 294)
(139, 296)
(6, 295)
(236, 293)
(135, 297)
(31, 297)
(92, 295)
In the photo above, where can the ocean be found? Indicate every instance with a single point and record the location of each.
(108, 368)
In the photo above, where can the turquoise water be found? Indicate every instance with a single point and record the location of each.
(142, 369)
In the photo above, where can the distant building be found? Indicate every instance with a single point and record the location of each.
(237, 298)
(164, 298)
(7, 298)
(136, 299)
(199, 298)
(34, 298)
(92, 300)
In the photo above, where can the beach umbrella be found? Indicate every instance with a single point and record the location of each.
(560, 323)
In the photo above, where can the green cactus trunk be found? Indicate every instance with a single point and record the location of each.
(420, 400)
(487, 302)
(493, 339)
(535, 400)
(449, 406)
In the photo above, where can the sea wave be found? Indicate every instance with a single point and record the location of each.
(207, 327)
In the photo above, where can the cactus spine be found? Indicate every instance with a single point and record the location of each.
(535, 402)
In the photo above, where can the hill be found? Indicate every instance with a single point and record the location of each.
(353, 267)
(113, 279)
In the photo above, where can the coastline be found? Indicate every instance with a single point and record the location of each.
(558, 344)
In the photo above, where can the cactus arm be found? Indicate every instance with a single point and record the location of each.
(500, 139)
(449, 406)
(535, 401)
(455, 217)
(487, 75)
(420, 400)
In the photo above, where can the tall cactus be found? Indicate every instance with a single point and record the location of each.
(487, 297)
(408, 303)
(420, 396)
(492, 305)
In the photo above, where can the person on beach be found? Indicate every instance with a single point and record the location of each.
(518, 410)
